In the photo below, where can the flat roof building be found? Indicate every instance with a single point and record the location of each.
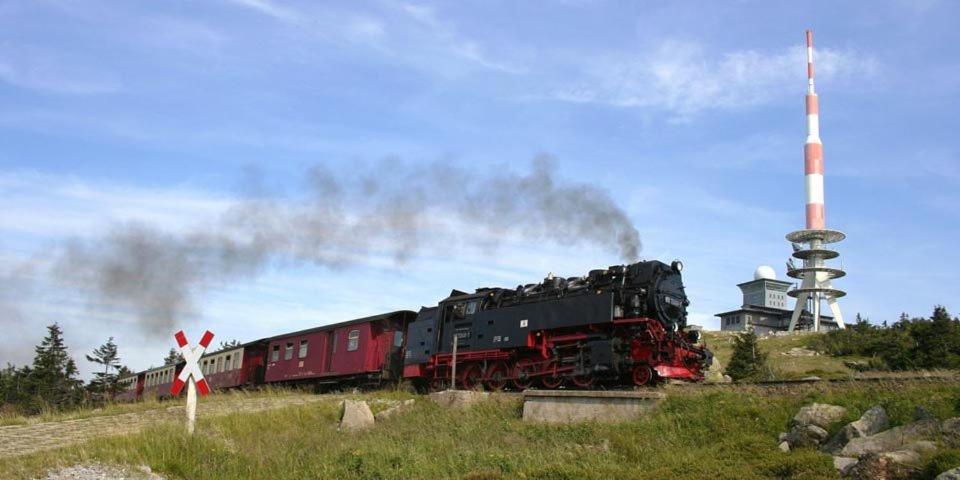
(765, 307)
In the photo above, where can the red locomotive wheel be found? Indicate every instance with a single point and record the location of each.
(523, 373)
(495, 378)
(471, 377)
(549, 380)
(642, 375)
(583, 381)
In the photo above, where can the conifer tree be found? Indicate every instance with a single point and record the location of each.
(105, 383)
(747, 362)
(228, 345)
(173, 357)
(53, 379)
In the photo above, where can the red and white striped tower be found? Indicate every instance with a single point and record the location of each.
(813, 150)
(816, 275)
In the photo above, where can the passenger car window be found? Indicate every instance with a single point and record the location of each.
(353, 340)
(228, 363)
(303, 349)
(275, 355)
(288, 351)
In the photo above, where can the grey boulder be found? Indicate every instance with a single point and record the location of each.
(871, 422)
(892, 439)
(355, 415)
(952, 474)
(805, 436)
(820, 414)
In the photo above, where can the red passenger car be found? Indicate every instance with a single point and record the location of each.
(236, 367)
(365, 351)
(129, 387)
(157, 381)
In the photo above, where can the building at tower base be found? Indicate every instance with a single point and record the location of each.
(765, 307)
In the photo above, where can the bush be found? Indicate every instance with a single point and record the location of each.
(909, 344)
(748, 361)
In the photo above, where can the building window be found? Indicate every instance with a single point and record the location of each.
(275, 354)
(303, 349)
(288, 351)
(353, 340)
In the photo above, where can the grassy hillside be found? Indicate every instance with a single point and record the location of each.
(696, 433)
(783, 366)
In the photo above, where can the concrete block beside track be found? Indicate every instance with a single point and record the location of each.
(571, 406)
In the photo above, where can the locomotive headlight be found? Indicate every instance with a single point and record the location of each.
(677, 266)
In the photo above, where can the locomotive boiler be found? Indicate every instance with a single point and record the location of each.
(626, 324)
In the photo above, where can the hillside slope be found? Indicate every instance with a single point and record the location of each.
(784, 363)
(696, 433)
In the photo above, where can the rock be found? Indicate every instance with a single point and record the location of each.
(921, 446)
(857, 365)
(885, 466)
(806, 436)
(145, 469)
(355, 415)
(952, 474)
(892, 439)
(819, 414)
(385, 414)
(950, 428)
(782, 437)
(727, 379)
(871, 422)
(921, 413)
(458, 398)
(813, 378)
(844, 464)
(784, 447)
(800, 352)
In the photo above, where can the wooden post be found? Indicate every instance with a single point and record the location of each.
(453, 367)
(191, 405)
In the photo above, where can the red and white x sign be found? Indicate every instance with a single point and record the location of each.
(192, 368)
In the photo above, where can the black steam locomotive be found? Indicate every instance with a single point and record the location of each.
(622, 325)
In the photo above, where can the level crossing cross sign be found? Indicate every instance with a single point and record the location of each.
(192, 368)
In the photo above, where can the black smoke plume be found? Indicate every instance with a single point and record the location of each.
(392, 208)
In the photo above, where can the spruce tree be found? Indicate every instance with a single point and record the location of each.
(53, 377)
(105, 383)
(747, 362)
(173, 357)
(228, 345)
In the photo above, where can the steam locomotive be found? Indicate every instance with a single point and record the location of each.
(623, 325)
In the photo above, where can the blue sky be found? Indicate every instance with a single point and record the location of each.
(689, 115)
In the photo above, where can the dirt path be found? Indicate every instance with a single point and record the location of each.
(24, 439)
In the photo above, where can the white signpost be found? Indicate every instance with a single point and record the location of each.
(191, 375)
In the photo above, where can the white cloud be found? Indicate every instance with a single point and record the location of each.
(271, 9)
(683, 79)
(56, 72)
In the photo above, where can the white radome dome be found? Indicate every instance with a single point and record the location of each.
(765, 272)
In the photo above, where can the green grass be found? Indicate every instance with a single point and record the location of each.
(784, 366)
(714, 433)
(133, 407)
